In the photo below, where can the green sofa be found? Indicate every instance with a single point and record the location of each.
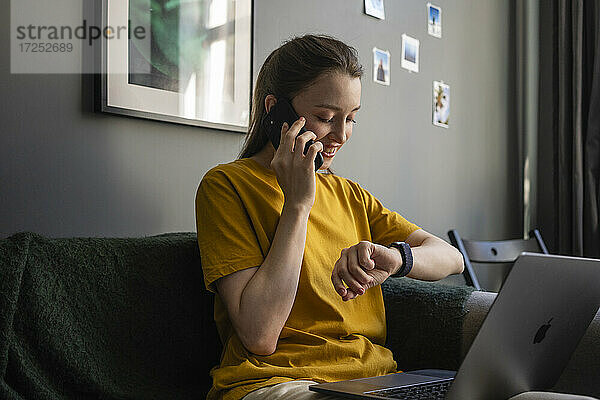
(129, 318)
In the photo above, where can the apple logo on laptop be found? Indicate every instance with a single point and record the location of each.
(541, 333)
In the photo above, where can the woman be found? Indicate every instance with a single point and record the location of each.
(296, 257)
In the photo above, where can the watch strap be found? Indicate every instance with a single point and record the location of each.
(407, 258)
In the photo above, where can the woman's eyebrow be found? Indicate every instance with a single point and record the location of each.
(334, 107)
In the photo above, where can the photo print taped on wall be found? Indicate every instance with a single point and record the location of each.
(434, 20)
(375, 8)
(410, 53)
(441, 104)
(381, 66)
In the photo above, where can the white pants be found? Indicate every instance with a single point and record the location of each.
(298, 390)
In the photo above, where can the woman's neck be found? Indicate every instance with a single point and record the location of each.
(265, 156)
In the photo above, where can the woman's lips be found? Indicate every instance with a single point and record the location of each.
(329, 151)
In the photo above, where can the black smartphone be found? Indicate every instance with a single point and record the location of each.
(282, 112)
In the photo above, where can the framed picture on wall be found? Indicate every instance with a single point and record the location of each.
(182, 61)
(381, 66)
(410, 53)
(434, 20)
(441, 104)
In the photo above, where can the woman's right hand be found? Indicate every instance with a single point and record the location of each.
(295, 171)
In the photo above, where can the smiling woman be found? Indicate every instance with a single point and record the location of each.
(328, 107)
(289, 70)
(296, 258)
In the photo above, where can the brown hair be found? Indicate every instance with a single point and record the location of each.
(294, 66)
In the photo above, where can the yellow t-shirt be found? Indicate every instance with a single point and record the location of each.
(325, 339)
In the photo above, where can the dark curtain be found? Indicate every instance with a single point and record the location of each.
(569, 136)
(591, 170)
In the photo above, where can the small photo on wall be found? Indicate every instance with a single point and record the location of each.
(381, 66)
(375, 8)
(434, 20)
(410, 53)
(441, 104)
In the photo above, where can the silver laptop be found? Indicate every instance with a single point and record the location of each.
(526, 340)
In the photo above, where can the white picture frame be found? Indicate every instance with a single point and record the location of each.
(434, 20)
(381, 66)
(375, 8)
(213, 90)
(441, 104)
(410, 53)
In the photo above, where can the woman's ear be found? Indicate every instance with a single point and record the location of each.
(270, 101)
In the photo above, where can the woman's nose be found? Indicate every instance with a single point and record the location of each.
(340, 132)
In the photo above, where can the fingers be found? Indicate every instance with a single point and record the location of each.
(357, 272)
(338, 285)
(300, 144)
(291, 140)
(288, 135)
(284, 129)
(347, 293)
(364, 251)
(348, 277)
(313, 150)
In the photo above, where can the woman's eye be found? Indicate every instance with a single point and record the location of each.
(330, 120)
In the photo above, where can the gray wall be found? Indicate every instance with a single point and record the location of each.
(69, 171)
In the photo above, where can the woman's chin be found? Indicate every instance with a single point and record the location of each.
(326, 163)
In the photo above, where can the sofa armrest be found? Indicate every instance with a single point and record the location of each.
(581, 373)
(424, 322)
(477, 306)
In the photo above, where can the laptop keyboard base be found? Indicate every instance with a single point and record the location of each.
(426, 391)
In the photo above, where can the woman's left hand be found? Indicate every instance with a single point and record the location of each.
(367, 264)
(362, 267)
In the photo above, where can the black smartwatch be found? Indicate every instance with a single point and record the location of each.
(407, 258)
